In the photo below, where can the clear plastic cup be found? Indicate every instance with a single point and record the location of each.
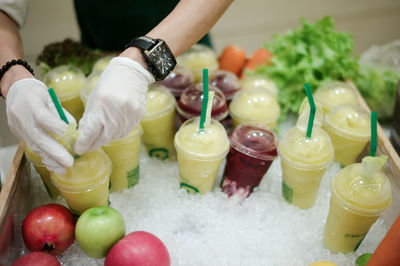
(227, 82)
(102, 63)
(200, 154)
(189, 105)
(159, 123)
(86, 183)
(253, 149)
(259, 81)
(67, 81)
(304, 115)
(304, 162)
(178, 80)
(124, 155)
(356, 203)
(32, 157)
(254, 105)
(334, 93)
(349, 127)
(198, 57)
(90, 82)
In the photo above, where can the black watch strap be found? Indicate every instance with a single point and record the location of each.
(145, 43)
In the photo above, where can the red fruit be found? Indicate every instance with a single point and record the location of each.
(49, 228)
(138, 249)
(37, 259)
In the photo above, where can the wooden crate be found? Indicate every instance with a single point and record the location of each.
(16, 194)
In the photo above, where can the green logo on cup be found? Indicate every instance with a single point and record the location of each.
(159, 153)
(287, 192)
(133, 176)
(189, 188)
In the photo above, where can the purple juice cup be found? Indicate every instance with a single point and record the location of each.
(178, 80)
(189, 104)
(253, 149)
(227, 82)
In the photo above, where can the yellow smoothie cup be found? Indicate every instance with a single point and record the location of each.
(200, 154)
(102, 63)
(86, 183)
(360, 194)
(198, 57)
(349, 127)
(159, 123)
(335, 93)
(304, 162)
(304, 115)
(259, 81)
(255, 105)
(32, 157)
(87, 88)
(67, 82)
(124, 155)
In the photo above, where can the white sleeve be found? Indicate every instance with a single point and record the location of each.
(16, 9)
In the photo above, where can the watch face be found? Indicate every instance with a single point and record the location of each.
(163, 60)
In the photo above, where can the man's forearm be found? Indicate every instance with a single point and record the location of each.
(10, 48)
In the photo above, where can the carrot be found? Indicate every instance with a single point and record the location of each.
(232, 59)
(388, 251)
(260, 56)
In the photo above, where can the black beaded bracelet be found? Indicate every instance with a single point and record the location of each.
(11, 63)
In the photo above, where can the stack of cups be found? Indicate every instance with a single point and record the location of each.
(159, 123)
(86, 183)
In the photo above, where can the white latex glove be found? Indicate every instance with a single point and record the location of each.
(31, 114)
(115, 106)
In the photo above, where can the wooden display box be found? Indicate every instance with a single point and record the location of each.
(15, 196)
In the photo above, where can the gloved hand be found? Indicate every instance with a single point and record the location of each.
(116, 104)
(32, 116)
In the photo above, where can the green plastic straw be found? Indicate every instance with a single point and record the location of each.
(58, 105)
(374, 134)
(205, 100)
(312, 110)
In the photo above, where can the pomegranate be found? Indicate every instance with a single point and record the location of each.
(49, 228)
(37, 259)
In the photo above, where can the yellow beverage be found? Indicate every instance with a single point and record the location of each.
(200, 154)
(52, 190)
(159, 123)
(67, 82)
(304, 162)
(349, 128)
(86, 183)
(90, 82)
(334, 93)
(198, 57)
(255, 105)
(124, 155)
(359, 196)
(304, 114)
(102, 63)
(259, 82)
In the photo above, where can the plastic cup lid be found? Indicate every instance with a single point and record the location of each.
(334, 93)
(226, 81)
(197, 57)
(254, 140)
(90, 82)
(304, 115)
(178, 80)
(259, 81)
(102, 63)
(159, 101)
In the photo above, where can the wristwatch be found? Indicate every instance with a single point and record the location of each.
(157, 55)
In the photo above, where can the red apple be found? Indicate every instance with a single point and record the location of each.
(138, 249)
(37, 259)
(49, 228)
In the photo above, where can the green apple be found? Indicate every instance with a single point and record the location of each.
(98, 229)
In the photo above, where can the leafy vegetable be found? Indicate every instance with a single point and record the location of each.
(378, 87)
(68, 52)
(311, 54)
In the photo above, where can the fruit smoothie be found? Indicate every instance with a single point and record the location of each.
(178, 80)
(90, 82)
(349, 127)
(67, 82)
(86, 183)
(255, 105)
(259, 82)
(124, 155)
(102, 63)
(43, 172)
(335, 93)
(253, 149)
(159, 123)
(227, 82)
(200, 154)
(304, 115)
(198, 57)
(189, 105)
(360, 193)
(304, 162)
